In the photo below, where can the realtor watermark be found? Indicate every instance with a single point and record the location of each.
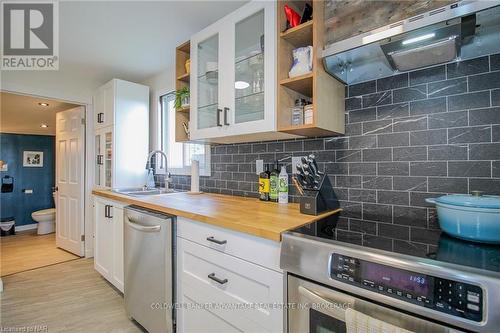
(30, 35)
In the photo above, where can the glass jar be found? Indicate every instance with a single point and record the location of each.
(298, 112)
(308, 114)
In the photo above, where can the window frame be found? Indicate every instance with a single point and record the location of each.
(162, 142)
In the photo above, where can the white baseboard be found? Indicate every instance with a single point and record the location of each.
(27, 227)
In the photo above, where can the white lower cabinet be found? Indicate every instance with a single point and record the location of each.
(226, 291)
(108, 241)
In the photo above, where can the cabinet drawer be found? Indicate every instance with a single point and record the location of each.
(260, 251)
(233, 285)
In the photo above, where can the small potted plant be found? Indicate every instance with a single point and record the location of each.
(182, 98)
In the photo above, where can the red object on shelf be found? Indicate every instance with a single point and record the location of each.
(292, 17)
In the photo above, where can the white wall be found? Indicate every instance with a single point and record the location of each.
(159, 84)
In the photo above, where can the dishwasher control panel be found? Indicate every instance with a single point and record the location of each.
(452, 297)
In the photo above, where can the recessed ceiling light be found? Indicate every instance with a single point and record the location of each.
(44, 125)
(43, 104)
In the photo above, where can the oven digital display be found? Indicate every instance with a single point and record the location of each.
(406, 281)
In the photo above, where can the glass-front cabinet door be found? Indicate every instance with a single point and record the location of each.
(253, 60)
(249, 81)
(206, 113)
(104, 157)
(233, 83)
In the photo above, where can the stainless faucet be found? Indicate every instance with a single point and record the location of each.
(148, 165)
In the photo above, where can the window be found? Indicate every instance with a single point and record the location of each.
(179, 154)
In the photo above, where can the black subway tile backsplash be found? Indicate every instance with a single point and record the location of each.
(448, 119)
(427, 75)
(427, 106)
(393, 82)
(484, 81)
(377, 99)
(469, 101)
(468, 67)
(395, 110)
(408, 137)
(447, 87)
(495, 97)
(448, 152)
(410, 94)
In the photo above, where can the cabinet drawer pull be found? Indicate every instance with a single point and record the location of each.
(216, 279)
(226, 122)
(219, 111)
(216, 241)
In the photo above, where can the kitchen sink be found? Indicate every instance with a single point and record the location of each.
(139, 192)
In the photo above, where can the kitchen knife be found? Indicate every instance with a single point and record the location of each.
(300, 168)
(297, 185)
(312, 159)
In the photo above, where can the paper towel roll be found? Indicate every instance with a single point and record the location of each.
(195, 176)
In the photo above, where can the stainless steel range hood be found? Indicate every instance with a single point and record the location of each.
(459, 31)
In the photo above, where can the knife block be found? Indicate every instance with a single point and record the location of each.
(315, 202)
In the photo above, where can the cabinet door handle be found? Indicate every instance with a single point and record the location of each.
(216, 279)
(109, 212)
(106, 210)
(216, 241)
(99, 159)
(219, 111)
(99, 117)
(226, 122)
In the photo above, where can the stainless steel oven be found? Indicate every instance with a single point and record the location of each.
(315, 308)
(329, 280)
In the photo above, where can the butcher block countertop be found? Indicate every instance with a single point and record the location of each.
(248, 215)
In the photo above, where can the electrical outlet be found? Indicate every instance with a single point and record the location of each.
(296, 160)
(259, 166)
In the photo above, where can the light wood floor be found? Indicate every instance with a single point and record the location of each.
(67, 297)
(27, 250)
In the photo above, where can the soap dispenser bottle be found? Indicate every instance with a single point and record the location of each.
(274, 184)
(150, 182)
(283, 186)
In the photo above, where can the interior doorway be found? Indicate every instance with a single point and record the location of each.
(44, 228)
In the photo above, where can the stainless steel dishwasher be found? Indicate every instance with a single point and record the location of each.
(149, 268)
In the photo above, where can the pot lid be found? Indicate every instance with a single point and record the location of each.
(475, 200)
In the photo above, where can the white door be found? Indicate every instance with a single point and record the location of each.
(70, 138)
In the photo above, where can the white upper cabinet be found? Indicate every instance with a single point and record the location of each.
(233, 77)
(121, 119)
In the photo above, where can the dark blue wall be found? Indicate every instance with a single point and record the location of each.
(41, 180)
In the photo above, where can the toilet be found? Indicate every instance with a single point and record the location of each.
(46, 219)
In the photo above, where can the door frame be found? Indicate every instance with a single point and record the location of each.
(88, 152)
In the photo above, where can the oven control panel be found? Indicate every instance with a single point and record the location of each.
(456, 298)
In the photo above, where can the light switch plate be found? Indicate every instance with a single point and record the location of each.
(259, 166)
(295, 160)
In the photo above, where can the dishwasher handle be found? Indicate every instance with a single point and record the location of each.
(135, 225)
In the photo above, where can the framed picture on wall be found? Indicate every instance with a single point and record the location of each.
(33, 159)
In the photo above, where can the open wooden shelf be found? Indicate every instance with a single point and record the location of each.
(300, 35)
(309, 130)
(184, 77)
(182, 53)
(302, 84)
(325, 92)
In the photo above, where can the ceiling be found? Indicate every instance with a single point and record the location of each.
(130, 40)
(22, 114)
